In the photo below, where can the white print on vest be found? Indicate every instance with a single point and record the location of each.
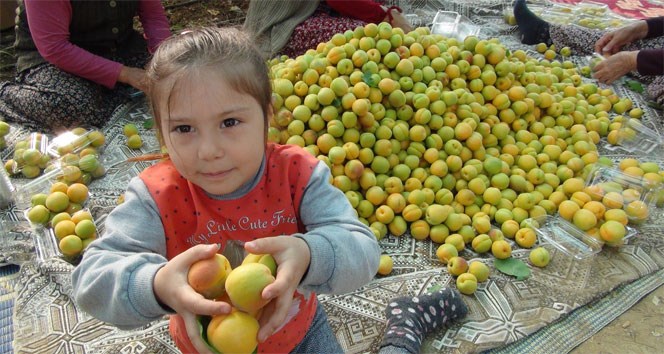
(245, 223)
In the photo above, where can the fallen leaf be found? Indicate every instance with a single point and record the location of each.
(634, 85)
(512, 266)
(148, 123)
(213, 12)
(655, 300)
(434, 288)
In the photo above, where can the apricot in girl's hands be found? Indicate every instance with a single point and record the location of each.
(208, 276)
(245, 285)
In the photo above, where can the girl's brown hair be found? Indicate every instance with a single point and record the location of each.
(227, 50)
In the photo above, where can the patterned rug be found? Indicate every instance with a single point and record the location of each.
(556, 308)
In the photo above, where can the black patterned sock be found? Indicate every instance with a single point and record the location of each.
(533, 30)
(410, 318)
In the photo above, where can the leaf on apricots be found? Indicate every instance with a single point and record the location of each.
(368, 79)
(203, 322)
(512, 266)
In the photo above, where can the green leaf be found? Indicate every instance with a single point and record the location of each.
(148, 123)
(512, 266)
(634, 85)
(434, 288)
(368, 79)
(203, 322)
(655, 105)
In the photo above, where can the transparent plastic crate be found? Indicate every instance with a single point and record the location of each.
(594, 59)
(71, 142)
(557, 17)
(445, 23)
(34, 148)
(47, 243)
(591, 8)
(46, 247)
(592, 22)
(41, 184)
(564, 236)
(632, 194)
(7, 190)
(18, 245)
(452, 25)
(615, 21)
(634, 136)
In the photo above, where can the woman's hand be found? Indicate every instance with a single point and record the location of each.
(292, 256)
(612, 42)
(172, 289)
(134, 77)
(399, 20)
(615, 66)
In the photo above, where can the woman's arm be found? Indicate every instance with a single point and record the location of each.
(370, 11)
(154, 21)
(650, 61)
(655, 27)
(49, 25)
(365, 10)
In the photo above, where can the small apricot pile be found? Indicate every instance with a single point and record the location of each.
(241, 287)
(62, 210)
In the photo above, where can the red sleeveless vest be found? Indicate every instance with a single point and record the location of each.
(191, 217)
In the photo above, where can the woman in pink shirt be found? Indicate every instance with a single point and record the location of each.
(78, 60)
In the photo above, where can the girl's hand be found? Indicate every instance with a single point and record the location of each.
(613, 41)
(615, 66)
(172, 289)
(292, 255)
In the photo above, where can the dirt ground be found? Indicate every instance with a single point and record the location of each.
(639, 330)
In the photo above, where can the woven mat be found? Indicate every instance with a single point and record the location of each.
(548, 310)
(8, 276)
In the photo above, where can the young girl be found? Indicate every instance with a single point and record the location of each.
(223, 184)
(211, 95)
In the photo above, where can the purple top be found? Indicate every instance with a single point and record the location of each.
(49, 26)
(651, 61)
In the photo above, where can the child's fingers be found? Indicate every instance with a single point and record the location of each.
(193, 332)
(281, 306)
(209, 307)
(266, 245)
(197, 252)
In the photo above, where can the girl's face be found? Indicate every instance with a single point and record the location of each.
(214, 134)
